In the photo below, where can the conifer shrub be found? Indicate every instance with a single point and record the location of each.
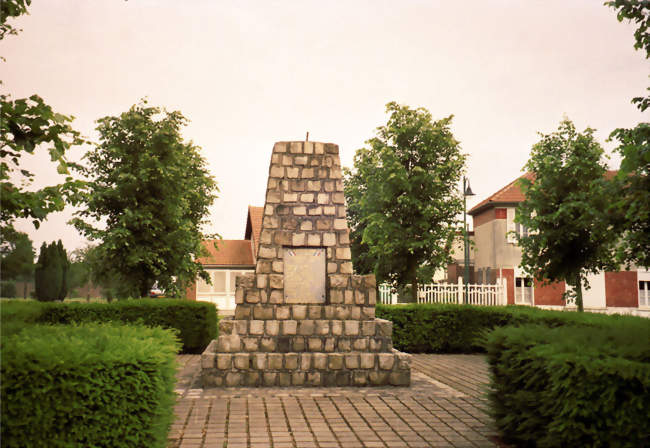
(95, 384)
(572, 385)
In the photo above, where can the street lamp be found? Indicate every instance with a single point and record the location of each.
(467, 191)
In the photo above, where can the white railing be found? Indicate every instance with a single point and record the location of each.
(485, 295)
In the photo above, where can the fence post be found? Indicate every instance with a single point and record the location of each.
(460, 291)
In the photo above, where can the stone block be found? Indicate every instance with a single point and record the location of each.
(352, 361)
(315, 211)
(356, 281)
(378, 378)
(277, 171)
(290, 197)
(332, 267)
(329, 239)
(299, 312)
(282, 312)
(275, 360)
(273, 197)
(360, 378)
(267, 252)
(291, 361)
(251, 379)
(323, 224)
(229, 343)
(323, 198)
(344, 237)
(240, 326)
(336, 296)
(278, 267)
(338, 198)
(263, 312)
(267, 345)
(239, 295)
(284, 344)
(208, 360)
(292, 173)
(308, 147)
(372, 296)
(346, 268)
(280, 147)
(322, 327)
(266, 237)
(276, 297)
(307, 197)
(260, 361)
(313, 239)
(403, 361)
(337, 327)
(298, 239)
(300, 160)
(349, 297)
(269, 378)
(233, 379)
(329, 345)
(368, 312)
(360, 344)
(307, 173)
(276, 281)
(375, 345)
(272, 328)
(343, 345)
(252, 296)
(264, 266)
(315, 344)
(298, 378)
(305, 361)
(340, 224)
(313, 379)
(335, 361)
(342, 312)
(284, 379)
(262, 279)
(319, 148)
(400, 378)
(306, 225)
(315, 312)
(271, 222)
(386, 361)
(331, 148)
(289, 327)
(211, 380)
(368, 328)
(319, 361)
(313, 185)
(306, 327)
(369, 281)
(367, 360)
(256, 327)
(384, 327)
(298, 344)
(226, 326)
(251, 344)
(359, 297)
(338, 281)
(352, 327)
(355, 312)
(242, 361)
(282, 237)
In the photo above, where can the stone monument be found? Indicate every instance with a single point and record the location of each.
(303, 318)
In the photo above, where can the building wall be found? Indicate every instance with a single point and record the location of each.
(509, 275)
(621, 289)
(549, 294)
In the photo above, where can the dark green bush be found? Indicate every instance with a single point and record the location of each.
(572, 385)
(432, 328)
(195, 321)
(18, 314)
(7, 289)
(92, 385)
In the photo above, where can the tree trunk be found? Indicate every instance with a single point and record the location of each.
(578, 287)
(413, 277)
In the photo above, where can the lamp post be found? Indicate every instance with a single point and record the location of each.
(467, 191)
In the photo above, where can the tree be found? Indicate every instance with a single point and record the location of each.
(631, 208)
(565, 209)
(51, 273)
(17, 259)
(153, 191)
(403, 196)
(26, 124)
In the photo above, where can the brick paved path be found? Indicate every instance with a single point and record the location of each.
(444, 407)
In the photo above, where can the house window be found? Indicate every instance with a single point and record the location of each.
(223, 282)
(524, 290)
(521, 230)
(644, 293)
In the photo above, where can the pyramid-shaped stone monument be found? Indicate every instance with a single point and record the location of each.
(303, 318)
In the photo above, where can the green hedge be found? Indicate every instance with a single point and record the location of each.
(196, 322)
(572, 386)
(92, 385)
(432, 328)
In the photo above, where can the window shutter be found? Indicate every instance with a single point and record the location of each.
(511, 237)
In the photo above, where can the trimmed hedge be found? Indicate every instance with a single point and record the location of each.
(572, 386)
(196, 322)
(435, 328)
(90, 385)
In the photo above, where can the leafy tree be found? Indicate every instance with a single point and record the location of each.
(51, 272)
(631, 207)
(18, 259)
(403, 198)
(26, 124)
(153, 191)
(565, 209)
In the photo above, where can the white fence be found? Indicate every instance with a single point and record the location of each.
(486, 295)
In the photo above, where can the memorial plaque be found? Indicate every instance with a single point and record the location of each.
(304, 275)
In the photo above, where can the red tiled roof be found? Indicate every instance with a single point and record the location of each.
(228, 253)
(511, 194)
(254, 226)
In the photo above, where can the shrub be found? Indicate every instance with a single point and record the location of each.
(18, 314)
(572, 385)
(51, 273)
(7, 289)
(433, 328)
(195, 321)
(90, 385)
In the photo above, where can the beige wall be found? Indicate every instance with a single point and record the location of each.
(492, 249)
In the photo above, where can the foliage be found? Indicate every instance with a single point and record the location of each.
(570, 233)
(51, 273)
(402, 197)
(7, 289)
(153, 191)
(195, 321)
(637, 11)
(18, 314)
(10, 9)
(90, 385)
(436, 328)
(572, 386)
(17, 257)
(631, 208)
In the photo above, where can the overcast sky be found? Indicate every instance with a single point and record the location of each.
(250, 73)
